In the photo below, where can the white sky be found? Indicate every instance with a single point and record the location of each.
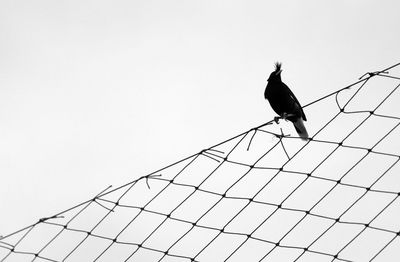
(94, 93)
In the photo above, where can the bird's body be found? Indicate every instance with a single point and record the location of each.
(284, 102)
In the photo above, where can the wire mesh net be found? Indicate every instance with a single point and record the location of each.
(263, 195)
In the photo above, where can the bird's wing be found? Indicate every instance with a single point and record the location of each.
(290, 93)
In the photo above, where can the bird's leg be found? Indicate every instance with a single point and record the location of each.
(286, 116)
(276, 119)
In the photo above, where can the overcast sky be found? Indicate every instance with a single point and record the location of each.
(98, 93)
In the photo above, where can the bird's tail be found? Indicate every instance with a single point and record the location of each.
(300, 128)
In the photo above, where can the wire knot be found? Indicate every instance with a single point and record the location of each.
(47, 218)
(147, 177)
(371, 74)
(281, 135)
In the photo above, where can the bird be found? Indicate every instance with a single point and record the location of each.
(284, 102)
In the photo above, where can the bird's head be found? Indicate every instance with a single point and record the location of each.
(276, 75)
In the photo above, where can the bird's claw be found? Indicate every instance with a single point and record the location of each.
(286, 116)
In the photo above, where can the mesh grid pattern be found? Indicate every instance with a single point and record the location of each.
(262, 195)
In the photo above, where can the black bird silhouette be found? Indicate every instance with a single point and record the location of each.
(284, 102)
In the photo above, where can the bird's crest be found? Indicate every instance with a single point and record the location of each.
(278, 66)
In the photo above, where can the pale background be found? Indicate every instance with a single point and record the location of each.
(98, 93)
